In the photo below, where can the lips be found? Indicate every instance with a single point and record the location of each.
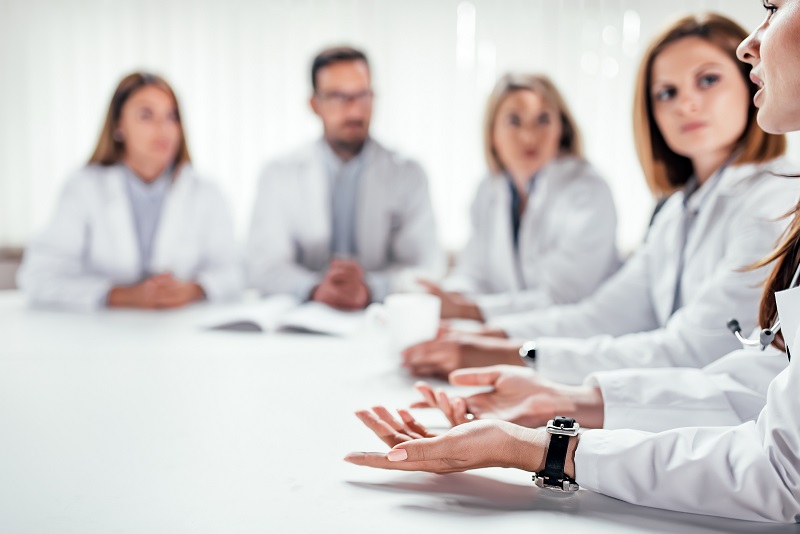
(760, 84)
(692, 126)
(756, 80)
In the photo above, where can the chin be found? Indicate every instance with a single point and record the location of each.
(774, 125)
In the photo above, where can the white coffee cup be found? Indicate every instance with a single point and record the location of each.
(410, 318)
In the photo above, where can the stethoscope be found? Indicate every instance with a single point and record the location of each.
(767, 335)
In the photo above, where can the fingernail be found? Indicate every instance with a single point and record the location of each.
(397, 455)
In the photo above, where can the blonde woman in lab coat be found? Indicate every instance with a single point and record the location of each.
(697, 138)
(137, 227)
(543, 221)
(750, 471)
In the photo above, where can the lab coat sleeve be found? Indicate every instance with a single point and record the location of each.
(53, 271)
(750, 471)
(220, 272)
(469, 272)
(696, 334)
(271, 262)
(730, 391)
(621, 305)
(585, 256)
(414, 246)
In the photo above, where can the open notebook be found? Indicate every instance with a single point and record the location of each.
(283, 313)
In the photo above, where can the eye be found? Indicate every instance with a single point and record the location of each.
(708, 80)
(665, 94)
(771, 8)
(514, 120)
(173, 117)
(145, 113)
(543, 119)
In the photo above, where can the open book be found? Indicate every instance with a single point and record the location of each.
(284, 313)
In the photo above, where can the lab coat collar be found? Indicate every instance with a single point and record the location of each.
(733, 180)
(175, 210)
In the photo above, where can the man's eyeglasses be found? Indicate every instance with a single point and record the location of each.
(340, 99)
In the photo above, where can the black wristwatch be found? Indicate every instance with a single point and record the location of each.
(528, 353)
(553, 477)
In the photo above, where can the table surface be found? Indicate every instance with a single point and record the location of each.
(128, 421)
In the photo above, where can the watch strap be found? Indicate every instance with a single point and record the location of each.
(553, 473)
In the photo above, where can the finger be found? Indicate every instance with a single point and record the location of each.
(427, 450)
(424, 371)
(413, 425)
(381, 461)
(486, 376)
(386, 433)
(460, 412)
(427, 393)
(443, 402)
(480, 406)
(389, 419)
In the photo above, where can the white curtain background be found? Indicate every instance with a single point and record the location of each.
(241, 71)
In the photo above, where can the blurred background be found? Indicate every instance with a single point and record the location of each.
(241, 71)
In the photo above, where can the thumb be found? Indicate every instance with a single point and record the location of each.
(421, 450)
(485, 376)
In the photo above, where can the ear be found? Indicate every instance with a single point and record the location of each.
(312, 101)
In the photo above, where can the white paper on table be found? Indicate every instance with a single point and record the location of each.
(322, 319)
(284, 312)
(788, 302)
(265, 315)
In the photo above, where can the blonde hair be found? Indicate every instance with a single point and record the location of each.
(665, 170)
(109, 149)
(570, 142)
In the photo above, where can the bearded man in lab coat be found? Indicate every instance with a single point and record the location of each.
(343, 221)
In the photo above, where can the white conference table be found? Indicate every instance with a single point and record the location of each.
(126, 421)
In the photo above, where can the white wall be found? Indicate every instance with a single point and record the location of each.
(240, 68)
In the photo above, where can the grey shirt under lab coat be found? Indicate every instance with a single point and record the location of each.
(290, 248)
(567, 242)
(146, 200)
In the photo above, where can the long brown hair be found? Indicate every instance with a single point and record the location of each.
(665, 170)
(570, 142)
(110, 149)
(786, 257)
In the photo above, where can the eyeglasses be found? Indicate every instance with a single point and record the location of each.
(339, 99)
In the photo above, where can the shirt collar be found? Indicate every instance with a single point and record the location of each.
(334, 164)
(154, 189)
(696, 194)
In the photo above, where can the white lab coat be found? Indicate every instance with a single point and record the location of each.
(729, 391)
(750, 471)
(90, 243)
(289, 247)
(627, 322)
(567, 242)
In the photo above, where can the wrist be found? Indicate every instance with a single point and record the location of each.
(530, 449)
(588, 407)
(470, 310)
(119, 297)
(569, 464)
(198, 293)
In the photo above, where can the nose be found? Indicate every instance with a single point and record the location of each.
(688, 102)
(749, 51)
